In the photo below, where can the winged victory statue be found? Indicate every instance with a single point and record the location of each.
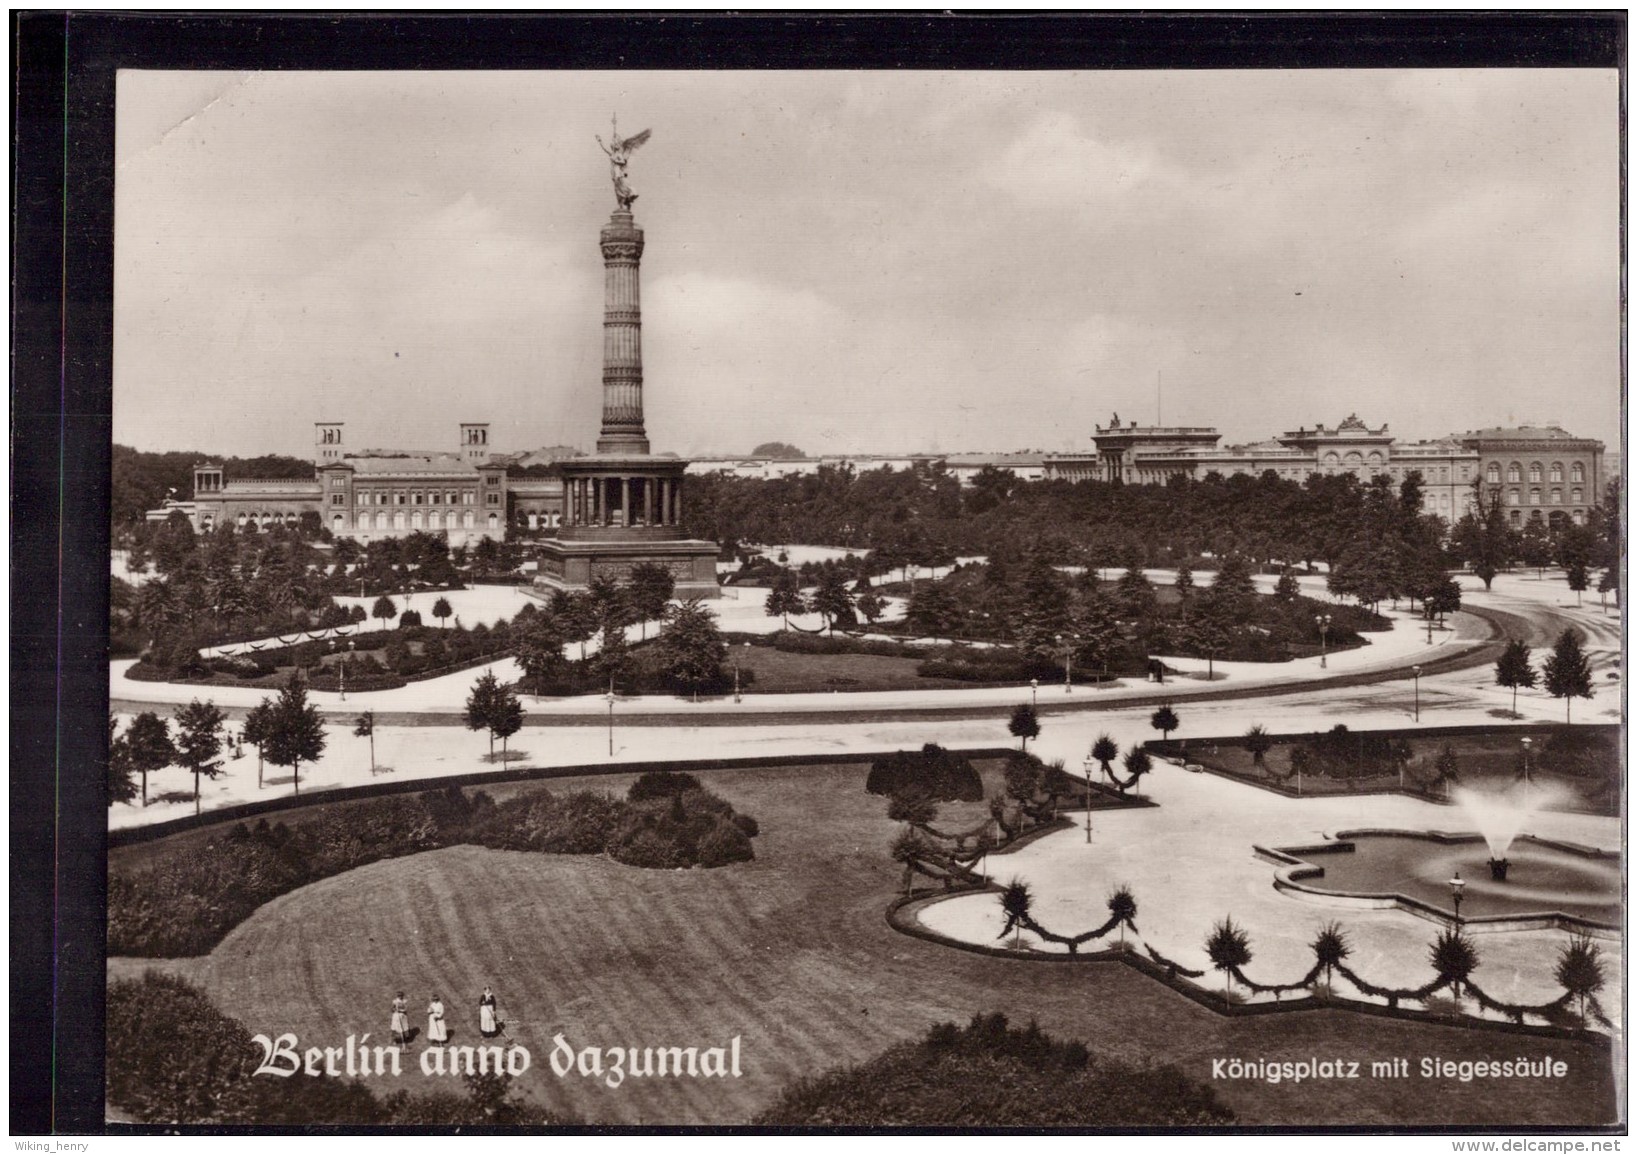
(619, 150)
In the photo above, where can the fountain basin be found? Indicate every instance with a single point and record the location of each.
(1544, 884)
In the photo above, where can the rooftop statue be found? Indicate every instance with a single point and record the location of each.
(619, 150)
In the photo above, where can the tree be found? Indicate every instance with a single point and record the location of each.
(1233, 586)
(1212, 629)
(483, 706)
(1025, 724)
(507, 719)
(1535, 546)
(443, 611)
(1580, 970)
(1228, 948)
(149, 747)
(1568, 671)
(1514, 670)
(295, 730)
(1137, 763)
(912, 806)
(1258, 742)
(1330, 949)
(1185, 582)
(784, 597)
(1448, 768)
(651, 588)
(1610, 581)
(1454, 958)
(1136, 594)
(1578, 579)
(1016, 901)
(1444, 597)
(933, 611)
(691, 645)
(384, 609)
(831, 598)
(1164, 720)
(1287, 589)
(1122, 905)
(257, 724)
(365, 728)
(121, 784)
(198, 741)
(1096, 630)
(574, 614)
(1105, 750)
(537, 644)
(870, 604)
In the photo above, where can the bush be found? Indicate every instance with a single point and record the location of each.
(990, 1074)
(932, 770)
(408, 619)
(662, 784)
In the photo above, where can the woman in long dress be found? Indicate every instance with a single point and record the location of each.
(488, 1022)
(436, 1033)
(400, 1019)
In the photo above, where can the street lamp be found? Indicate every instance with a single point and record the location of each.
(1457, 886)
(610, 717)
(1323, 622)
(1416, 670)
(1034, 692)
(1427, 605)
(1086, 766)
(1068, 660)
(736, 696)
(1527, 743)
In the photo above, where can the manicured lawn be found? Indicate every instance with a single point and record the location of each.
(793, 954)
(778, 672)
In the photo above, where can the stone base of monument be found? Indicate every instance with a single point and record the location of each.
(572, 564)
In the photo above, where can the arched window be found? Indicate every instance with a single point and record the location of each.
(1332, 458)
(380, 521)
(1557, 497)
(1557, 471)
(466, 519)
(1534, 497)
(1511, 497)
(1513, 517)
(1578, 496)
(1577, 472)
(415, 520)
(338, 523)
(1534, 471)
(398, 518)
(1493, 475)
(494, 522)
(1579, 516)
(1514, 472)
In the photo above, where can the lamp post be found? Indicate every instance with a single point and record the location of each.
(1527, 743)
(1457, 886)
(736, 696)
(1323, 622)
(1086, 766)
(1416, 671)
(1034, 692)
(1068, 660)
(610, 717)
(1427, 605)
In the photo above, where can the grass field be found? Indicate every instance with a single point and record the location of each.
(792, 953)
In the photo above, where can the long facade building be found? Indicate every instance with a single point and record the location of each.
(374, 494)
(1539, 473)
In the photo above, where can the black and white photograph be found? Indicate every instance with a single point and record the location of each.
(951, 598)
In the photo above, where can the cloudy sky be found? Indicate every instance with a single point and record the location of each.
(865, 262)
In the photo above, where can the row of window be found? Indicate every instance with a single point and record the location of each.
(1514, 471)
(1556, 518)
(434, 519)
(1576, 497)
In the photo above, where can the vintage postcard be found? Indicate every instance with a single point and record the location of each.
(857, 598)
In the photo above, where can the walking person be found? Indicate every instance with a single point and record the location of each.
(436, 1033)
(400, 1019)
(488, 1019)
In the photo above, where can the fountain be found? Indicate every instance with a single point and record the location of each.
(1500, 817)
(1555, 883)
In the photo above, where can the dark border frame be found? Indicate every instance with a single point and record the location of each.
(64, 66)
